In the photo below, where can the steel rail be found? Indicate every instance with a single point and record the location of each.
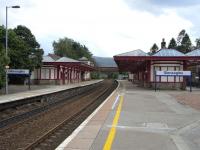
(66, 121)
(26, 115)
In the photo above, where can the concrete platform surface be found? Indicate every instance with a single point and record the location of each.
(46, 90)
(138, 119)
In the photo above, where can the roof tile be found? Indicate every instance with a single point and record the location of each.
(47, 59)
(195, 52)
(66, 59)
(137, 52)
(168, 53)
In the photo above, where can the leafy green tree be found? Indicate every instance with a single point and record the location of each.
(17, 51)
(2, 66)
(30, 48)
(3, 59)
(154, 48)
(113, 75)
(95, 75)
(172, 44)
(25, 34)
(70, 48)
(24, 52)
(23, 49)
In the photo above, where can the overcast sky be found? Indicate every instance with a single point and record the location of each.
(106, 27)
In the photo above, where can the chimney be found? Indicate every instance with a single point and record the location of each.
(163, 43)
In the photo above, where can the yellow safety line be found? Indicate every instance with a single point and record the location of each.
(110, 138)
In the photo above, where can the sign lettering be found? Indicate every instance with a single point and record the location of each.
(18, 71)
(173, 73)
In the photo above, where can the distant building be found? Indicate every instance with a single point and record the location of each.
(61, 70)
(105, 66)
(87, 74)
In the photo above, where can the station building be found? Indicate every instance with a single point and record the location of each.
(62, 70)
(142, 66)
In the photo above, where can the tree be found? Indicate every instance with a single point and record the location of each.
(154, 48)
(180, 37)
(25, 34)
(30, 48)
(24, 51)
(3, 59)
(197, 43)
(2, 66)
(172, 44)
(17, 51)
(70, 48)
(186, 44)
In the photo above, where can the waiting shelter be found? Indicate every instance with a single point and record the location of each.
(142, 66)
(61, 70)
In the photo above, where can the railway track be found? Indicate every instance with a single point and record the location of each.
(47, 130)
(22, 111)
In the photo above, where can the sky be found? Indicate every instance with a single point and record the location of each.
(106, 27)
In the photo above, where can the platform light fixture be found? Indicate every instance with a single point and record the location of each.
(7, 42)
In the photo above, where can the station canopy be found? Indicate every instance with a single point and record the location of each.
(66, 62)
(138, 60)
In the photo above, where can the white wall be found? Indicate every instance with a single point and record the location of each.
(87, 75)
(45, 73)
(130, 76)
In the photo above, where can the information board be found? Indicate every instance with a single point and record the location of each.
(18, 71)
(173, 73)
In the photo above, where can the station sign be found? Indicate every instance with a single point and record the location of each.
(173, 73)
(18, 71)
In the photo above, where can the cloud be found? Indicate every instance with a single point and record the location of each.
(186, 9)
(105, 27)
(174, 3)
(192, 14)
(159, 5)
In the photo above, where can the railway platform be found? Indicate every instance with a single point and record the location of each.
(133, 118)
(48, 90)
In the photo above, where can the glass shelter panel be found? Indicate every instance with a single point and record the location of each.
(156, 68)
(171, 79)
(164, 78)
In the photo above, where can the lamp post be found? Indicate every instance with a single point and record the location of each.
(7, 43)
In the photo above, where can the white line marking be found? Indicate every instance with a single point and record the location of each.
(179, 142)
(144, 129)
(83, 124)
(188, 127)
(116, 100)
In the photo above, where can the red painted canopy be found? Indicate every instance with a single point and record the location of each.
(137, 60)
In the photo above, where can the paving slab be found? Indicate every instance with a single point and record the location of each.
(147, 120)
(83, 137)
